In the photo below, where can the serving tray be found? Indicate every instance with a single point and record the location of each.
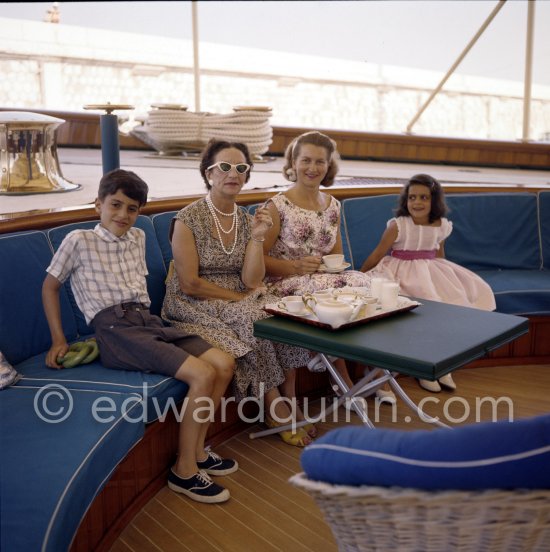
(404, 305)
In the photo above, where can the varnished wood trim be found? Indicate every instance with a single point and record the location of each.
(48, 218)
(82, 130)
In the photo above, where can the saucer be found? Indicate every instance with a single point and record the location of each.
(341, 268)
(304, 312)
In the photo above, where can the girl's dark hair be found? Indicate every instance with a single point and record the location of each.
(314, 138)
(439, 208)
(126, 181)
(212, 149)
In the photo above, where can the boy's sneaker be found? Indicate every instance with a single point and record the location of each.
(199, 487)
(216, 465)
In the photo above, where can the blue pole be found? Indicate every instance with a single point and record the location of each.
(110, 154)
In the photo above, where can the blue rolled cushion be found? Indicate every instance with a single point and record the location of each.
(499, 455)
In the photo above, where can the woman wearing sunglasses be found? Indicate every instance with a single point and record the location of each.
(215, 285)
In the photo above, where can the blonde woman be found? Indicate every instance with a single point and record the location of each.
(306, 226)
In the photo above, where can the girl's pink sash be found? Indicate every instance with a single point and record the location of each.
(406, 255)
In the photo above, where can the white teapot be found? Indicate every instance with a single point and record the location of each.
(336, 312)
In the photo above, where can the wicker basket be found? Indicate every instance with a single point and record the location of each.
(382, 518)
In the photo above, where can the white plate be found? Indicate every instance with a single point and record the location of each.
(341, 268)
(402, 302)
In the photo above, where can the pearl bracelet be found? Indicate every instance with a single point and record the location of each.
(257, 240)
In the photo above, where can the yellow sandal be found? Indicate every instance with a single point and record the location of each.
(311, 430)
(298, 438)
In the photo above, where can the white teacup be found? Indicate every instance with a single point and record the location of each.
(311, 299)
(347, 297)
(369, 305)
(389, 294)
(292, 303)
(333, 261)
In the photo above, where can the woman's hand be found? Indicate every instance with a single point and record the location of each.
(255, 293)
(306, 265)
(261, 223)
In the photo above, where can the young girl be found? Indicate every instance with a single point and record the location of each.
(415, 240)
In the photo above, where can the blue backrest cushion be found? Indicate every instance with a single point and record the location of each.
(56, 236)
(494, 230)
(365, 220)
(155, 264)
(161, 224)
(499, 455)
(153, 256)
(24, 330)
(544, 222)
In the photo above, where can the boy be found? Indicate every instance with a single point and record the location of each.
(107, 269)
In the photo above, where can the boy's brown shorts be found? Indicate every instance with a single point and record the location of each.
(131, 338)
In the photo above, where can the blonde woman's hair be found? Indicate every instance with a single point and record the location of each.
(314, 138)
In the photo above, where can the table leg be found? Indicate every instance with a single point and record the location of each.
(362, 387)
(412, 405)
(347, 393)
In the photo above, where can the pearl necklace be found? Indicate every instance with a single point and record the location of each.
(219, 228)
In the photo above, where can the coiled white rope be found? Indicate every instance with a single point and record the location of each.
(175, 130)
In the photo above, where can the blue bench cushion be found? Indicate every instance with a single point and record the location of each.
(153, 257)
(520, 291)
(500, 455)
(51, 472)
(365, 220)
(157, 394)
(544, 221)
(494, 231)
(24, 330)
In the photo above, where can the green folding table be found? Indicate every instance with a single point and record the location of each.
(427, 342)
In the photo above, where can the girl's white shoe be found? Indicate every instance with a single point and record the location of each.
(431, 386)
(386, 396)
(447, 382)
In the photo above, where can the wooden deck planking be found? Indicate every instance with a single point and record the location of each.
(267, 514)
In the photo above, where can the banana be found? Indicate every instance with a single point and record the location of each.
(77, 346)
(94, 352)
(81, 352)
(68, 356)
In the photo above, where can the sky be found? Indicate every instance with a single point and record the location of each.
(412, 33)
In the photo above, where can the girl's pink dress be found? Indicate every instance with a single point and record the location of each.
(425, 276)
